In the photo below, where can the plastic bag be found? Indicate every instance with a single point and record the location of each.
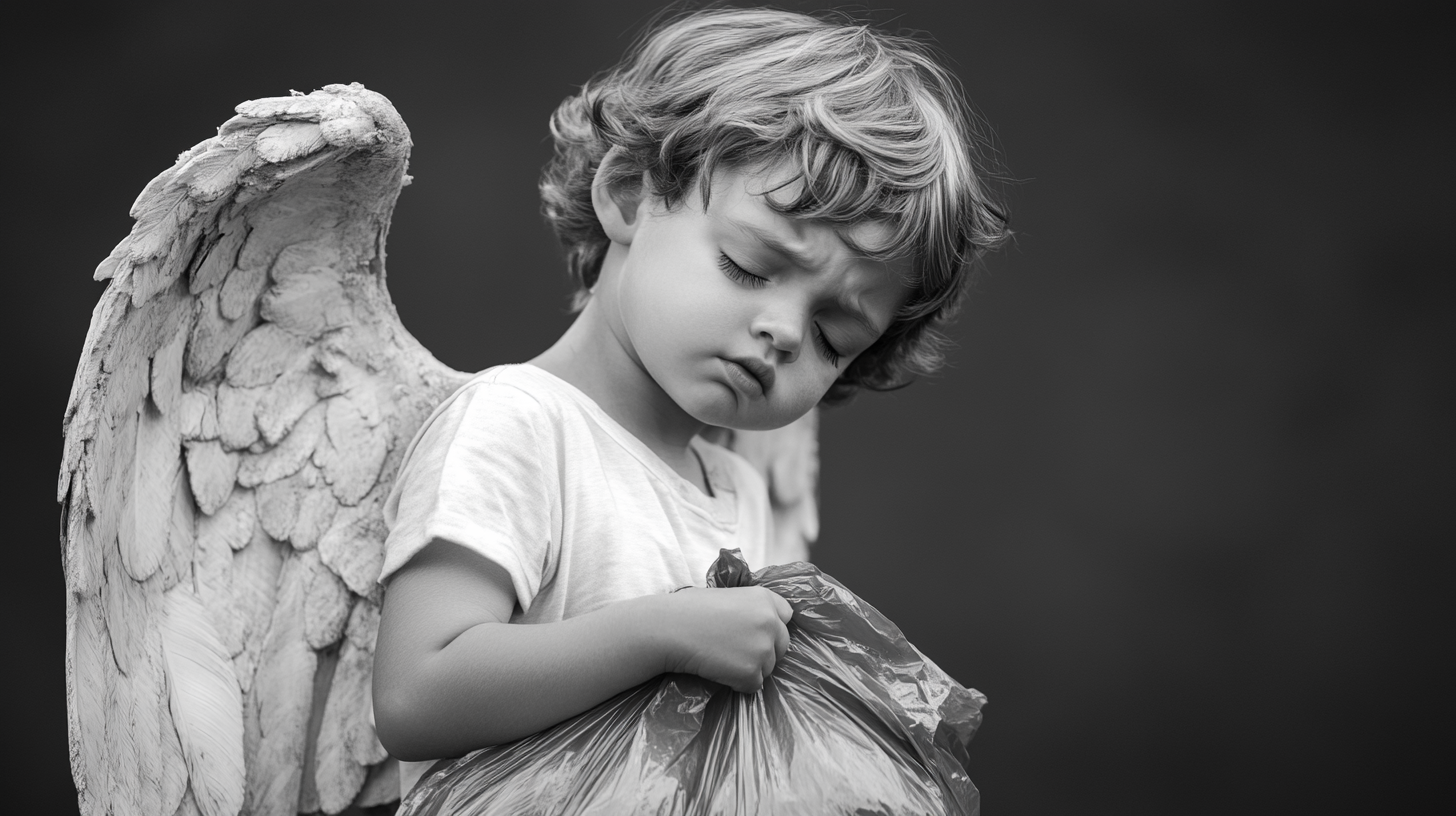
(853, 720)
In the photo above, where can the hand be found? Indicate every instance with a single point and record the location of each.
(731, 636)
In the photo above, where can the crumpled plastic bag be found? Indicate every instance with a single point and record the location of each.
(853, 720)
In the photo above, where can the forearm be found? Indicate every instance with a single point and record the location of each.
(451, 675)
(496, 682)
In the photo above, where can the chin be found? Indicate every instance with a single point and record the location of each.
(723, 407)
(747, 420)
(724, 411)
(759, 423)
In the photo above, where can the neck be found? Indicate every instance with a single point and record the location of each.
(596, 361)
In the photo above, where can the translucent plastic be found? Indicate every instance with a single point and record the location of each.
(853, 720)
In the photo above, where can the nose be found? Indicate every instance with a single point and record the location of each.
(783, 331)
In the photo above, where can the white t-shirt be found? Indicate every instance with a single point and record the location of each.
(523, 468)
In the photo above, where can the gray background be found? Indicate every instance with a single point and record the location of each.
(1178, 507)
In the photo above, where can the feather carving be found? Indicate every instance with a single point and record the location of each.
(90, 674)
(287, 400)
(283, 698)
(286, 457)
(338, 775)
(212, 470)
(199, 413)
(172, 763)
(148, 511)
(240, 408)
(382, 785)
(289, 140)
(253, 590)
(181, 535)
(206, 704)
(262, 356)
(166, 378)
(237, 424)
(220, 257)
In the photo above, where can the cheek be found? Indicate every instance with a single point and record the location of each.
(808, 388)
(681, 300)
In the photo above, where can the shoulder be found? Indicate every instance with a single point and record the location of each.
(501, 408)
(509, 396)
(502, 387)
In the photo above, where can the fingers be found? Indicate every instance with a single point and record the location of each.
(771, 660)
(749, 685)
(753, 685)
(735, 636)
(752, 681)
(785, 613)
(781, 606)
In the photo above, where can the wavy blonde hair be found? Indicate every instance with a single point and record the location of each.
(870, 124)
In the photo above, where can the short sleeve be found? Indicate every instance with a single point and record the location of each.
(484, 473)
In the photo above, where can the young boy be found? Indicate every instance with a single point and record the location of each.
(765, 211)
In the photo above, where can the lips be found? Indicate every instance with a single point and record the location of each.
(752, 375)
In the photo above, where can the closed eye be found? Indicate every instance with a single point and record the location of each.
(825, 348)
(741, 275)
(738, 273)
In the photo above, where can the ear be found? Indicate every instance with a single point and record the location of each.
(617, 196)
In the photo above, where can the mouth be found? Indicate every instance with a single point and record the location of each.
(752, 376)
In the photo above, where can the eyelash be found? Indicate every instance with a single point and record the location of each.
(823, 342)
(738, 273)
(741, 275)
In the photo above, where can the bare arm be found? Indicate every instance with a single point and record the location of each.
(452, 675)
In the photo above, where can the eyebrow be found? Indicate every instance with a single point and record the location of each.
(803, 261)
(776, 244)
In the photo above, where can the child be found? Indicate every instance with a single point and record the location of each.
(764, 211)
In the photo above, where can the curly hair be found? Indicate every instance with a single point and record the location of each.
(869, 123)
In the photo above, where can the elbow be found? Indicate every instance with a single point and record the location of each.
(396, 723)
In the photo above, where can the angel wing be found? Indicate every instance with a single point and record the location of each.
(245, 394)
(242, 400)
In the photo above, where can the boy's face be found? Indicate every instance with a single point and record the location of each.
(743, 316)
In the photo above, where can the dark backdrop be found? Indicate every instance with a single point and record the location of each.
(1178, 507)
